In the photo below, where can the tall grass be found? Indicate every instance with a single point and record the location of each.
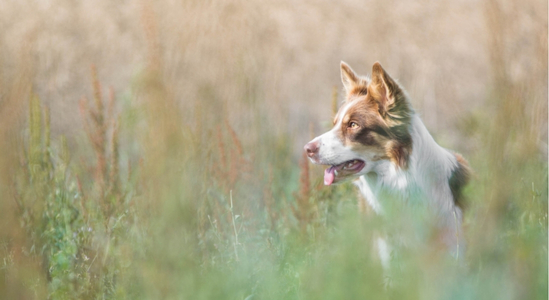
(185, 178)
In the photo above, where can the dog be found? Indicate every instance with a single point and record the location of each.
(381, 144)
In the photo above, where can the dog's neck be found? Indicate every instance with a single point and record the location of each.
(428, 166)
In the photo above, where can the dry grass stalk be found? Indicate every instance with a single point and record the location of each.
(114, 172)
(304, 209)
(269, 202)
(96, 129)
(150, 27)
(235, 140)
(231, 167)
(222, 156)
(335, 105)
(239, 165)
(98, 122)
(304, 178)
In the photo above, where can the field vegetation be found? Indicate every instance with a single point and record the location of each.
(153, 150)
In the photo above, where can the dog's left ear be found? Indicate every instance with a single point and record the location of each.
(384, 88)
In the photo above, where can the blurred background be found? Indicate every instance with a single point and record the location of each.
(153, 149)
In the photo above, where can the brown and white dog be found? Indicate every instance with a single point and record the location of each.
(381, 143)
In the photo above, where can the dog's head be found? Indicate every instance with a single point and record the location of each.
(371, 125)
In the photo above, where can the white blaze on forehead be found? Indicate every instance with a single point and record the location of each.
(331, 136)
(343, 112)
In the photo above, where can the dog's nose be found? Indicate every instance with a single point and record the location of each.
(311, 148)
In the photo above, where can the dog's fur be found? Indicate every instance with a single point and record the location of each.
(380, 142)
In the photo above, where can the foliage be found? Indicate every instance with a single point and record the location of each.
(201, 194)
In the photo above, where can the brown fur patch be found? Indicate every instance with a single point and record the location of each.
(362, 112)
(399, 152)
(460, 177)
(359, 90)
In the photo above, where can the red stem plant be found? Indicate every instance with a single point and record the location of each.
(303, 211)
(99, 121)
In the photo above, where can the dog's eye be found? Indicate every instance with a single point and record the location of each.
(353, 125)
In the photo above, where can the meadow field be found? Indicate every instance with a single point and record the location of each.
(154, 149)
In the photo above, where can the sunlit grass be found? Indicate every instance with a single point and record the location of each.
(200, 193)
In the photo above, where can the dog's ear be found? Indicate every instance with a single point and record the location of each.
(353, 83)
(348, 77)
(383, 87)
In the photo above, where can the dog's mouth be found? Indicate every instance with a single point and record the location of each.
(336, 172)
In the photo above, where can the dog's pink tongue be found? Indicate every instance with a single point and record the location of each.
(329, 175)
